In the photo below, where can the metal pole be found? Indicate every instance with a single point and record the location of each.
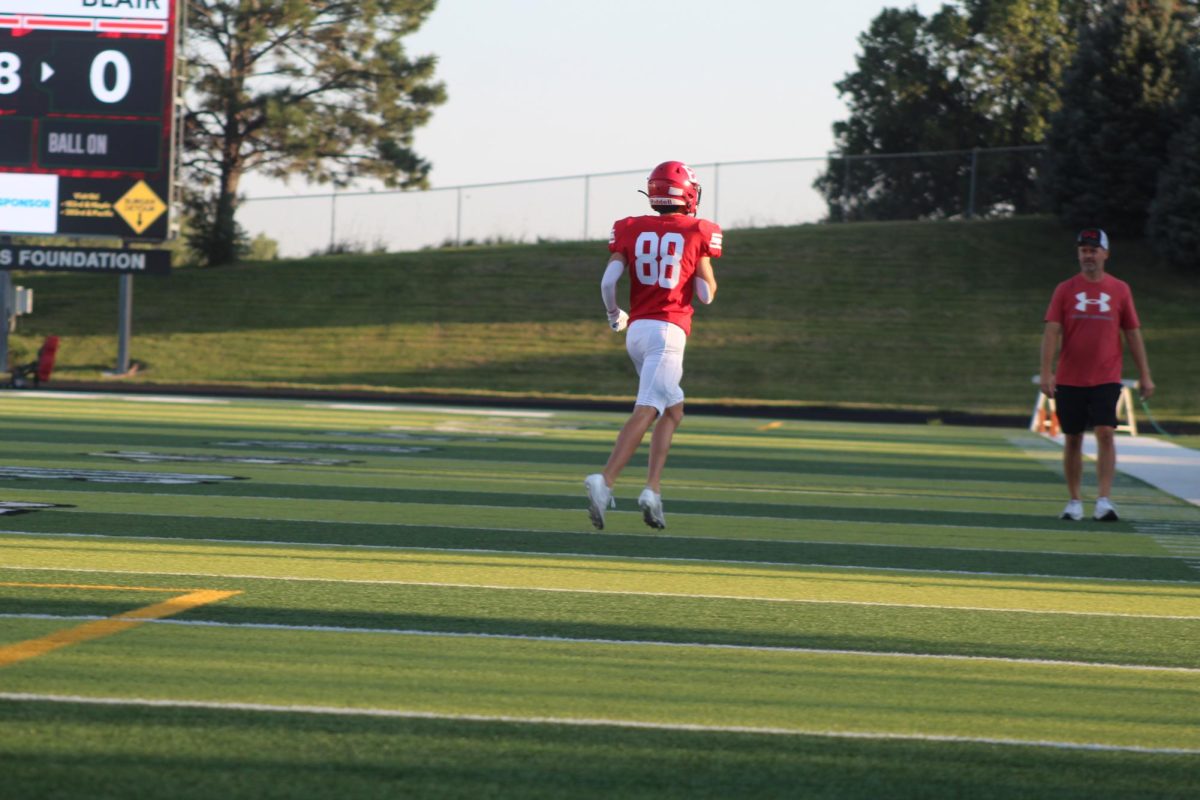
(332, 222)
(587, 189)
(971, 197)
(458, 221)
(845, 184)
(6, 302)
(124, 322)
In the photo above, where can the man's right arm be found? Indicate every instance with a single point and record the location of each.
(608, 292)
(1050, 340)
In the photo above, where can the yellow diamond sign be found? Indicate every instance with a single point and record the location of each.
(140, 207)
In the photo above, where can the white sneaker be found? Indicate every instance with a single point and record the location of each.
(650, 502)
(600, 498)
(1105, 510)
(1073, 511)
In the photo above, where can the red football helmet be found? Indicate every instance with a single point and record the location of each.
(673, 183)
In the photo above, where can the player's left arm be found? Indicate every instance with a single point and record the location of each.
(1137, 349)
(706, 280)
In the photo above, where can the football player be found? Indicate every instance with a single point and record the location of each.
(668, 257)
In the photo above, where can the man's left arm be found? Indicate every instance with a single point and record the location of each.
(1137, 349)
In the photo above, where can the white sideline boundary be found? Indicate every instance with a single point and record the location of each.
(388, 713)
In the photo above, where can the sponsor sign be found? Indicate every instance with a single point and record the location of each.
(29, 203)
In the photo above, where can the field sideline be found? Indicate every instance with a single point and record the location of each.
(281, 598)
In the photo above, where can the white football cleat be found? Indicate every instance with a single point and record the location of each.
(600, 498)
(650, 502)
(1105, 510)
(620, 322)
(1073, 511)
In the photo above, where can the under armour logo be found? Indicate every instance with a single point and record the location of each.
(1085, 301)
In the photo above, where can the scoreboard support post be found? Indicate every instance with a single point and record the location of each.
(6, 303)
(124, 322)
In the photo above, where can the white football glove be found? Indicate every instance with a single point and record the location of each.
(618, 320)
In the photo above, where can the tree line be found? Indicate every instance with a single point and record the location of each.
(1110, 88)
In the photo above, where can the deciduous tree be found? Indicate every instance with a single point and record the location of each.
(320, 90)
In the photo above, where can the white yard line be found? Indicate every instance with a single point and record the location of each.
(389, 713)
(820, 651)
(615, 592)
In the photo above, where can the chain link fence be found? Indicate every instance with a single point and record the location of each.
(740, 194)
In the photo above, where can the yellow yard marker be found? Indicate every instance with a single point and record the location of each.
(770, 426)
(22, 651)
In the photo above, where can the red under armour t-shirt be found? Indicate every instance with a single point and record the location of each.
(1093, 316)
(662, 252)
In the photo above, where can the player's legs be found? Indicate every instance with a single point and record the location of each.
(1102, 412)
(1073, 463)
(628, 440)
(660, 444)
(1072, 405)
(1106, 460)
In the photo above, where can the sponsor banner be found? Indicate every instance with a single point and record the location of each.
(84, 259)
(95, 9)
(29, 203)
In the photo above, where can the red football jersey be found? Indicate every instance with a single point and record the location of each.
(1093, 316)
(661, 251)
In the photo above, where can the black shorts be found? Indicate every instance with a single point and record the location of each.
(1080, 407)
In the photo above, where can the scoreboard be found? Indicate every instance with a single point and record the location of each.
(87, 106)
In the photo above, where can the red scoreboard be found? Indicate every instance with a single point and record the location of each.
(87, 105)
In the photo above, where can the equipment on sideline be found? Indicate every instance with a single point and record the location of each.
(37, 371)
(673, 183)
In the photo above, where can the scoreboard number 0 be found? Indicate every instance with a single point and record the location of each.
(98, 76)
(105, 87)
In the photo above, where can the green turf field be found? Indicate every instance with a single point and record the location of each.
(280, 599)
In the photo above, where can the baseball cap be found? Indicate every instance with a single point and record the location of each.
(1092, 236)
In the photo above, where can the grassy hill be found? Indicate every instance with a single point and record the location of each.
(939, 315)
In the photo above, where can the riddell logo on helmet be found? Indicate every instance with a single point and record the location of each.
(1085, 302)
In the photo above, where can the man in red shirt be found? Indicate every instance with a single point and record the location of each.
(1087, 314)
(668, 258)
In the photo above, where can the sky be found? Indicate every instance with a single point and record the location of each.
(547, 88)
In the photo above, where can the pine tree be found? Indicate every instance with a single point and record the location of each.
(1175, 214)
(1120, 96)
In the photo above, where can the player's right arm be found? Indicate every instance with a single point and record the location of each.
(1050, 339)
(617, 319)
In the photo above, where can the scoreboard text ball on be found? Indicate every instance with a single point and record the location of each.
(87, 103)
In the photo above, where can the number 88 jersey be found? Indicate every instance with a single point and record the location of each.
(661, 252)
